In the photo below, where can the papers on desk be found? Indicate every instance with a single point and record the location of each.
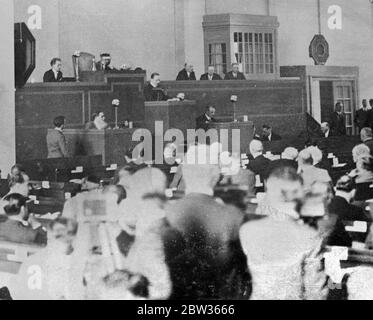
(112, 167)
(258, 182)
(173, 169)
(77, 170)
(48, 216)
(340, 165)
(358, 226)
(169, 193)
(45, 185)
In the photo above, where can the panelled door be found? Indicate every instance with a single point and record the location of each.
(344, 93)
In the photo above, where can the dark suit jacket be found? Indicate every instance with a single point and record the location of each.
(214, 77)
(49, 76)
(183, 75)
(203, 253)
(369, 144)
(338, 124)
(203, 123)
(274, 137)
(260, 166)
(155, 94)
(229, 76)
(364, 119)
(14, 231)
(56, 144)
(99, 67)
(344, 212)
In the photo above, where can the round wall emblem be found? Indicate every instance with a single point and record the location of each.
(319, 49)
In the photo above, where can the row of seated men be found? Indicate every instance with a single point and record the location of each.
(187, 73)
(198, 247)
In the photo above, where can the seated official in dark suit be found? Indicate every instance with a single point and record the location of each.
(269, 135)
(338, 121)
(54, 74)
(187, 73)
(204, 120)
(104, 63)
(14, 225)
(343, 212)
(210, 74)
(98, 122)
(325, 130)
(56, 142)
(258, 163)
(153, 91)
(235, 74)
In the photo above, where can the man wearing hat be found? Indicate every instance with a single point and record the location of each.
(104, 63)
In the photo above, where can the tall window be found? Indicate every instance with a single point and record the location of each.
(254, 52)
(218, 57)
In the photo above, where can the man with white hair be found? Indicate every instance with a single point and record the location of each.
(187, 73)
(325, 129)
(309, 172)
(288, 159)
(366, 137)
(258, 163)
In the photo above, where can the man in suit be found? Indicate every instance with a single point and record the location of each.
(258, 163)
(14, 225)
(54, 74)
(187, 73)
(205, 237)
(235, 74)
(343, 211)
(56, 142)
(210, 74)
(153, 91)
(204, 120)
(269, 135)
(325, 130)
(366, 137)
(288, 159)
(104, 63)
(364, 116)
(338, 120)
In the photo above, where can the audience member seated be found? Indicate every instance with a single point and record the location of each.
(54, 263)
(309, 172)
(269, 135)
(288, 159)
(358, 151)
(258, 164)
(104, 63)
(98, 122)
(210, 75)
(318, 158)
(153, 91)
(366, 137)
(56, 142)
(235, 74)
(187, 73)
(281, 252)
(342, 211)
(363, 176)
(54, 74)
(203, 121)
(206, 237)
(15, 225)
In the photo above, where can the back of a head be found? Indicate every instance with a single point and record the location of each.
(148, 181)
(365, 162)
(284, 184)
(366, 134)
(59, 121)
(290, 153)
(316, 154)
(256, 146)
(359, 151)
(200, 168)
(305, 157)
